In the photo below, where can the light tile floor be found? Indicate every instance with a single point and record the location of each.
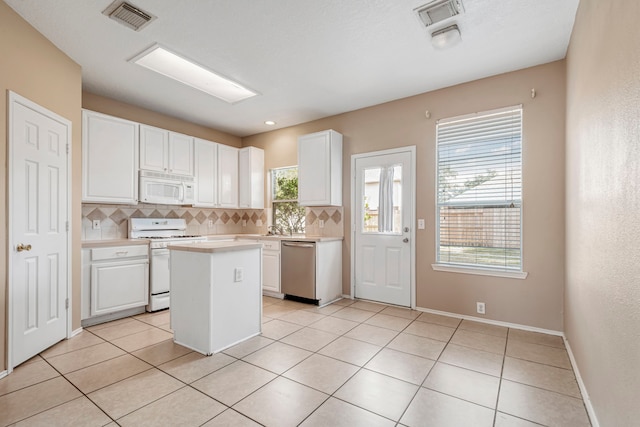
(347, 364)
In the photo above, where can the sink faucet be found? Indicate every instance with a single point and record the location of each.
(274, 230)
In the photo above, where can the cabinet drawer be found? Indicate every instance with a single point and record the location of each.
(117, 252)
(271, 245)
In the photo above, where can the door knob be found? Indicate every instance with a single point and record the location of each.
(406, 240)
(406, 229)
(22, 247)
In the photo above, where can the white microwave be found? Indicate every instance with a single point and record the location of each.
(166, 189)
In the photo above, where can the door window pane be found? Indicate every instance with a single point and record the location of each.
(382, 200)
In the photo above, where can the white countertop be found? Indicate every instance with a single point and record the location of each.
(213, 247)
(298, 238)
(213, 238)
(113, 242)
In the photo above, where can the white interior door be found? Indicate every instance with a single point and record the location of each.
(383, 214)
(38, 252)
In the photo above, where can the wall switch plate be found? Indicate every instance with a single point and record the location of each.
(95, 224)
(480, 307)
(321, 223)
(238, 275)
(244, 222)
(259, 222)
(421, 224)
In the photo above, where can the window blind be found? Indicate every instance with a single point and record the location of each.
(479, 194)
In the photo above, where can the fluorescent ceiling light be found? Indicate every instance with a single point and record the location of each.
(169, 64)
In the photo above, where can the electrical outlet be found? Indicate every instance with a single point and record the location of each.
(244, 222)
(480, 307)
(259, 222)
(421, 224)
(238, 275)
(210, 223)
(95, 224)
(321, 223)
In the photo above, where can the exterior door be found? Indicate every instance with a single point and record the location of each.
(383, 235)
(38, 252)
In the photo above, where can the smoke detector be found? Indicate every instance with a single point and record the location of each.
(439, 10)
(128, 15)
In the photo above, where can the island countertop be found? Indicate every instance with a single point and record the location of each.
(213, 246)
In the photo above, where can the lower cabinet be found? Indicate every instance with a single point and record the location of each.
(114, 279)
(271, 266)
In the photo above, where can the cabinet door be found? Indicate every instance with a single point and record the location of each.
(206, 167)
(109, 144)
(227, 176)
(180, 154)
(251, 178)
(320, 169)
(118, 286)
(271, 271)
(154, 149)
(314, 171)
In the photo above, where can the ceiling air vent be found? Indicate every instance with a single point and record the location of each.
(128, 15)
(438, 10)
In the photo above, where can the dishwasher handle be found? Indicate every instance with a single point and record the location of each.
(299, 244)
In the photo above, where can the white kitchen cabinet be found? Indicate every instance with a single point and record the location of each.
(271, 267)
(109, 159)
(320, 169)
(114, 279)
(165, 151)
(206, 171)
(227, 177)
(251, 178)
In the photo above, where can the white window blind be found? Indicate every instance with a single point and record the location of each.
(479, 194)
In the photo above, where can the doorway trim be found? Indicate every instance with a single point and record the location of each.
(14, 99)
(412, 232)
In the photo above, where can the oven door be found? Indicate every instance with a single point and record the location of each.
(159, 282)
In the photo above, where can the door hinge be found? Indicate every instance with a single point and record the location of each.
(66, 303)
(67, 148)
(67, 225)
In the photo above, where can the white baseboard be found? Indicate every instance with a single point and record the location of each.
(345, 296)
(583, 389)
(76, 332)
(492, 322)
(3, 374)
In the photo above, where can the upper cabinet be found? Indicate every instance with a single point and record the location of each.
(206, 169)
(251, 178)
(320, 169)
(109, 159)
(227, 176)
(165, 151)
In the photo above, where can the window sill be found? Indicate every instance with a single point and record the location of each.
(480, 271)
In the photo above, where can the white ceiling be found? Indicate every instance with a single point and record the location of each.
(307, 58)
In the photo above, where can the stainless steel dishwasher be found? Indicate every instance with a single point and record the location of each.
(298, 269)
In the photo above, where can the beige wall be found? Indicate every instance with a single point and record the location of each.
(34, 68)
(602, 305)
(123, 110)
(536, 301)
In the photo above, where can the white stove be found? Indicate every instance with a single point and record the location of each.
(161, 232)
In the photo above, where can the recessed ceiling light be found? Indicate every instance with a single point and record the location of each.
(169, 64)
(269, 122)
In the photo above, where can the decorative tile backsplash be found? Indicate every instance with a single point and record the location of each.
(114, 219)
(332, 217)
(200, 221)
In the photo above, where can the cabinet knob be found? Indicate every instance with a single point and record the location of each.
(22, 247)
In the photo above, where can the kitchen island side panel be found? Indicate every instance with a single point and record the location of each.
(212, 306)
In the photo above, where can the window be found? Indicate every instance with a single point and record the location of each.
(479, 194)
(288, 216)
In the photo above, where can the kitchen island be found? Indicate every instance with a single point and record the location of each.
(216, 294)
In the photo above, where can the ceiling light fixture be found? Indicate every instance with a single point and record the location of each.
(172, 65)
(446, 37)
(269, 123)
